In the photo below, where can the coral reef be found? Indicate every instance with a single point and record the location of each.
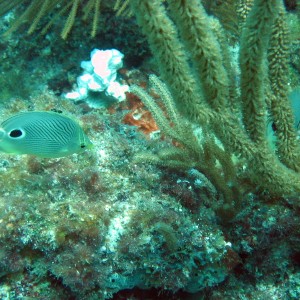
(169, 203)
(91, 222)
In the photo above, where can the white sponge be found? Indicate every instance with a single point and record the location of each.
(100, 74)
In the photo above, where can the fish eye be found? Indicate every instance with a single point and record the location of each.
(16, 133)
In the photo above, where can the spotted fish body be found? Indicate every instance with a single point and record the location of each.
(42, 133)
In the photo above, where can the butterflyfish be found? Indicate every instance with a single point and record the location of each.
(42, 133)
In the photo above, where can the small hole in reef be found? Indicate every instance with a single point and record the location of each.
(16, 133)
(56, 110)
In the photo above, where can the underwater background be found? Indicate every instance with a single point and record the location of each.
(191, 189)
